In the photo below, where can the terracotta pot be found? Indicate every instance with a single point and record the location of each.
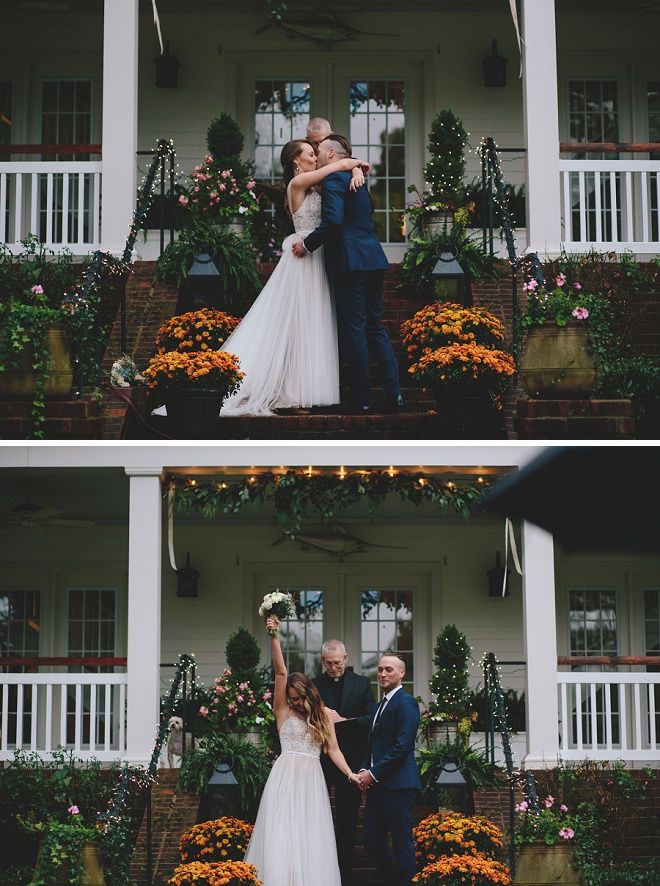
(557, 362)
(542, 865)
(91, 859)
(20, 382)
(192, 413)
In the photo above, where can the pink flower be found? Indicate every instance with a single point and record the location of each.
(577, 286)
(225, 173)
(73, 810)
(37, 289)
(204, 711)
(267, 694)
(222, 186)
(530, 286)
(560, 279)
(183, 200)
(243, 686)
(580, 313)
(563, 808)
(522, 807)
(240, 699)
(567, 833)
(548, 802)
(251, 184)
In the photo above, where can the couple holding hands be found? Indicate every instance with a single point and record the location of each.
(293, 843)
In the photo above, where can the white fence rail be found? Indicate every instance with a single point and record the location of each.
(59, 202)
(610, 205)
(609, 715)
(85, 713)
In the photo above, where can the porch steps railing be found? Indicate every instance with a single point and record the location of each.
(84, 712)
(610, 204)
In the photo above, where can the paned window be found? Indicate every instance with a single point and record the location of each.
(652, 640)
(386, 626)
(302, 635)
(20, 622)
(6, 115)
(281, 113)
(378, 134)
(653, 104)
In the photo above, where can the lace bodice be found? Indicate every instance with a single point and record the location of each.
(308, 215)
(297, 738)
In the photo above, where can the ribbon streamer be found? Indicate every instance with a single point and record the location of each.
(514, 16)
(170, 525)
(157, 23)
(510, 542)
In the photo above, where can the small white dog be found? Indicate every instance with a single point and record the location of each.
(175, 741)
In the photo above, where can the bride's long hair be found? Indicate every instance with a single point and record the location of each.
(290, 151)
(316, 718)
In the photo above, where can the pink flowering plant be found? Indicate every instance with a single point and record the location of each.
(235, 703)
(218, 194)
(551, 823)
(558, 301)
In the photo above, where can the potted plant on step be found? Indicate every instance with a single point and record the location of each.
(69, 853)
(220, 873)
(449, 685)
(545, 837)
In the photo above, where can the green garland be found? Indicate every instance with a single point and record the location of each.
(296, 494)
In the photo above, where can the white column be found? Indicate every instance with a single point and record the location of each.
(541, 123)
(540, 642)
(144, 589)
(120, 108)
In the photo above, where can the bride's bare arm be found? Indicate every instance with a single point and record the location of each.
(336, 755)
(305, 180)
(279, 667)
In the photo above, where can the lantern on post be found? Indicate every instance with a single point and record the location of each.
(167, 69)
(186, 580)
(201, 288)
(495, 68)
(451, 782)
(221, 792)
(450, 281)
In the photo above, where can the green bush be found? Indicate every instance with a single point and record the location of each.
(450, 682)
(224, 140)
(242, 652)
(445, 169)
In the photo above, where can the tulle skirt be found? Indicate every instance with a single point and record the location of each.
(287, 341)
(293, 842)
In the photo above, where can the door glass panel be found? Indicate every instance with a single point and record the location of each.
(378, 132)
(386, 626)
(302, 634)
(281, 113)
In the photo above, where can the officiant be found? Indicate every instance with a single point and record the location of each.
(350, 701)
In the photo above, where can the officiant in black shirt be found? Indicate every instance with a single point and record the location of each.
(350, 700)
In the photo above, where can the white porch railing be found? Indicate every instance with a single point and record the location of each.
(85, 713)
(60, 202)
(610, 205)
(609, 715)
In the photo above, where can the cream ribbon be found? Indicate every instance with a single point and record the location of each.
(157, 23)
(514, 16)
(170, 525)
(510, 542)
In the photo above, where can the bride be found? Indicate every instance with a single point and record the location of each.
(293, 841)
(287, 341)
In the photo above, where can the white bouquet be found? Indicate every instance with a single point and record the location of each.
(278, 604)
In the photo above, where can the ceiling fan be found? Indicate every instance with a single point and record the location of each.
(30, 515)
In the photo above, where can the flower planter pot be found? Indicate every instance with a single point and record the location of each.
(557, 362)
(542, 865)
(469, 413)
(192, 414)
(92, 864)
(443, 733)
(436, 223)
(20, 382)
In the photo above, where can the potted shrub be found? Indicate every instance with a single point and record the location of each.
(222, 839)
(452, 833)
(203, 330)
(68, 853)
(223, 873)
(193, 386)
(558, 358)
(464, 870)
(454, 351)
(545, 839)
(449, 683)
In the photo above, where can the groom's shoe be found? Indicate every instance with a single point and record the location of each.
(394, 404)
(359, 410)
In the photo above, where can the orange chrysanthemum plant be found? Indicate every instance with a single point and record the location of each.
(203, 330)
(464, 870)
(451, 346)
(204, 370)
(450, 833)
(224, 839)
(224, 873)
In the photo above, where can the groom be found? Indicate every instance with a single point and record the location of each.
(356, 263)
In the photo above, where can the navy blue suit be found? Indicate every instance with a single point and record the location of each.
(390, 803)
(355, 261)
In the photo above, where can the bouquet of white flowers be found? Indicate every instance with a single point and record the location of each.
(278, 604)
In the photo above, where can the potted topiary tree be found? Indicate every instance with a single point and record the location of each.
(448, 715)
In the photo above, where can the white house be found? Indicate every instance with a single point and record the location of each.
(86, 574)
(82, 73)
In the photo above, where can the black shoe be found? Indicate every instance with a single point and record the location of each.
(394, 404)
(358, 410)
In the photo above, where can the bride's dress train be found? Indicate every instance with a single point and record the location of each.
(287, 341)
(293, 842)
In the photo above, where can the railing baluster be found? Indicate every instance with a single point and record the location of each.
(651, 701)
(594, 716)
(638, 716)
(107, 732)
(49, 208)
(607, 689)
(78, 719)
(34, 204)
(80, 214)
(18, 208)
(4, 738)
(65, 208)
(623, 718)
(19, 716)
(92, 717)
(565, 719)
(578, 709)
(599, 208)
(34, 717)
(64, 705)
(568, 205)
(4, 190)
(630, 227)
(48, 731)
(643, 185)
(584, 233)
(614, 217)
(121, 732)
(96, 209)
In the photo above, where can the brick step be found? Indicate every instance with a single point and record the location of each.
(575, 420)
(64, 419)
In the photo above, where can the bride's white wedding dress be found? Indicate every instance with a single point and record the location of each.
(293, 842)
(287, 341)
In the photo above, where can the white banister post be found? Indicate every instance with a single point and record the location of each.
(541, 126)
(540, 640)
(144, 590)
(120, 109)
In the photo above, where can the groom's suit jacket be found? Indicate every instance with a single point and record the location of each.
(392, 743)
(357, 701)
(347, 231)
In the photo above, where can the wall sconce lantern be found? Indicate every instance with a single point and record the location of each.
(496, 585)
(453, 278)
(452, 782)
(167, 69)
(186, 580)
(201, 288)
(495, 68)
